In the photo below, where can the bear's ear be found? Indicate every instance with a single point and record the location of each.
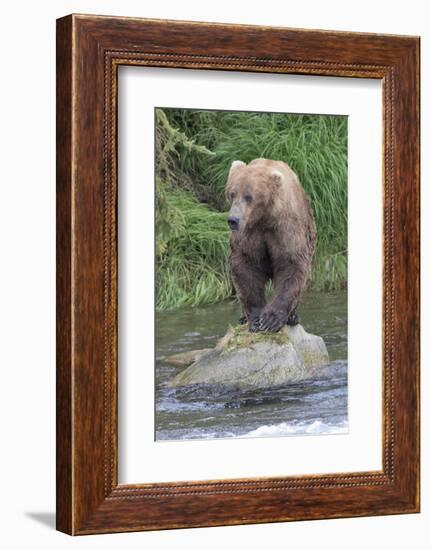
(276, 177)
(235, 164)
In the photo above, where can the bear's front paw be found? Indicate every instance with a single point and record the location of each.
(272, 321)
(242, 320)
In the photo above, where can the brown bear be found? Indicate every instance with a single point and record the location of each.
(273, 237)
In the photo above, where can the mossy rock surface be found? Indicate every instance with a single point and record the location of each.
(257, 360)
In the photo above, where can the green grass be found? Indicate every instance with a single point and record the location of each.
(192, 267)
(194, 152)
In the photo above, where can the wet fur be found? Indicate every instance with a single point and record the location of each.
(276, 241)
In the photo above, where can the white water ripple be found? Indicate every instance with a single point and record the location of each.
(315, 428)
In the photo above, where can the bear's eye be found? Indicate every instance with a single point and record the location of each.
(232, 195)
(248, 198)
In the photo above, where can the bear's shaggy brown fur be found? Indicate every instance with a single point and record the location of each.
(273, 237)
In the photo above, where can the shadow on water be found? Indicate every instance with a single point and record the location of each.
(317, 406)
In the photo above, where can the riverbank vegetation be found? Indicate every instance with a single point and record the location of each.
(194, 150)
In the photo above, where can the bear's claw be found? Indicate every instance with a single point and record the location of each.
(254, 325)
(293, 319)
(271, 322)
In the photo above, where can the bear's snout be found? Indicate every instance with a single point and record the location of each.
(233, 223)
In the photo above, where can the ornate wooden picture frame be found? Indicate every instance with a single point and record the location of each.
(89, 51)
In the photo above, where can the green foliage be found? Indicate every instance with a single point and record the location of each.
(194, 150)
(192, 264)
(329, 270)
(191, 238)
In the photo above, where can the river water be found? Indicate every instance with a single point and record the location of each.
(313, 407)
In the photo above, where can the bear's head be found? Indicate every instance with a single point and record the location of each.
(250, 191)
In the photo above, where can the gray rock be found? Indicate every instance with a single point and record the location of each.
(258, 360)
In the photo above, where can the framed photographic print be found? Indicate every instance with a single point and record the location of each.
(237, 274)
